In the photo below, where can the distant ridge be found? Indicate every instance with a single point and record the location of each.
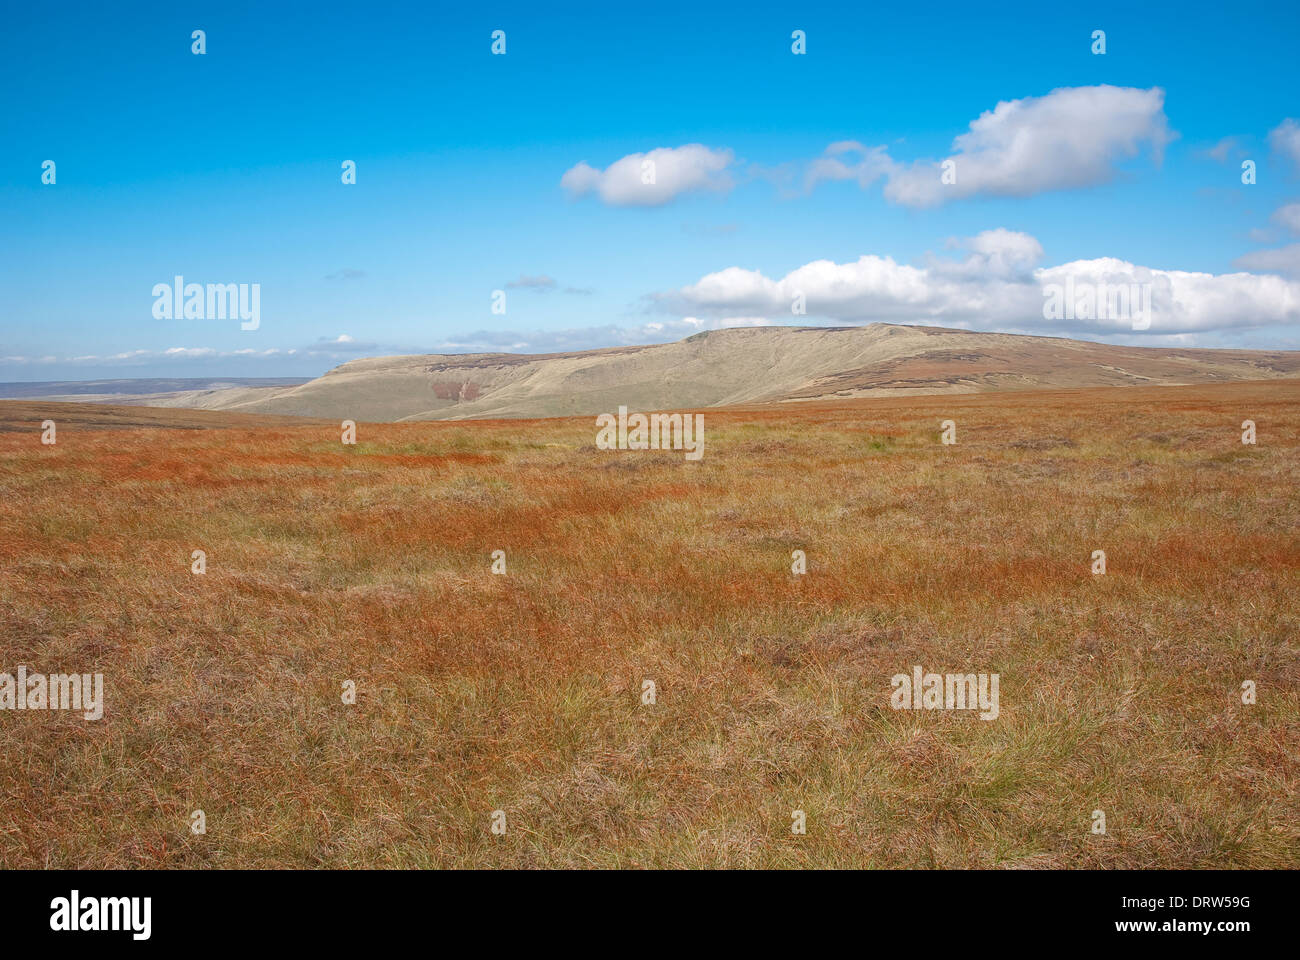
(118, 388)
(730, 366)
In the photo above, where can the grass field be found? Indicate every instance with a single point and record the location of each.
(523, 692)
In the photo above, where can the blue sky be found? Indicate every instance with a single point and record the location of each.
(225, 168)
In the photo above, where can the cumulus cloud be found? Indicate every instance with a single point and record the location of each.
(850, 160)
(1283, 260)
(670, 172)
(999, 253)
(1223, 150)
(998, 284)
(1284, 139)
(1071, 137)
(1190, 302)
(1288, 216)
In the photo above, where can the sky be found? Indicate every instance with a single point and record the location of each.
(501, 200)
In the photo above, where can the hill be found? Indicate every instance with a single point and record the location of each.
(733, 366)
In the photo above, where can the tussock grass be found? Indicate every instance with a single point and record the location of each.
(522, 692)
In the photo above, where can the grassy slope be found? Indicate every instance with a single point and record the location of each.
(740, 365)
(26, 416)
(521, 692)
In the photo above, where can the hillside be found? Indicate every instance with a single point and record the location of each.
(744, 365)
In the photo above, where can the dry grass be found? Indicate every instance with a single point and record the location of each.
(522, 692)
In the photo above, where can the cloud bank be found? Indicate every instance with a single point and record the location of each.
(998, 285)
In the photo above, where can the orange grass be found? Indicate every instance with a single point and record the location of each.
(523, 692)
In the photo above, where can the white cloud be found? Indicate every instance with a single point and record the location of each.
(138, 357)
(999, 252)
(1283, 260)
(1285, 139)
(1072, 137)
(676, 170)
(1288, 216)
(1223, 149)
(998, 285)
(1190, 302)
(850, 160)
